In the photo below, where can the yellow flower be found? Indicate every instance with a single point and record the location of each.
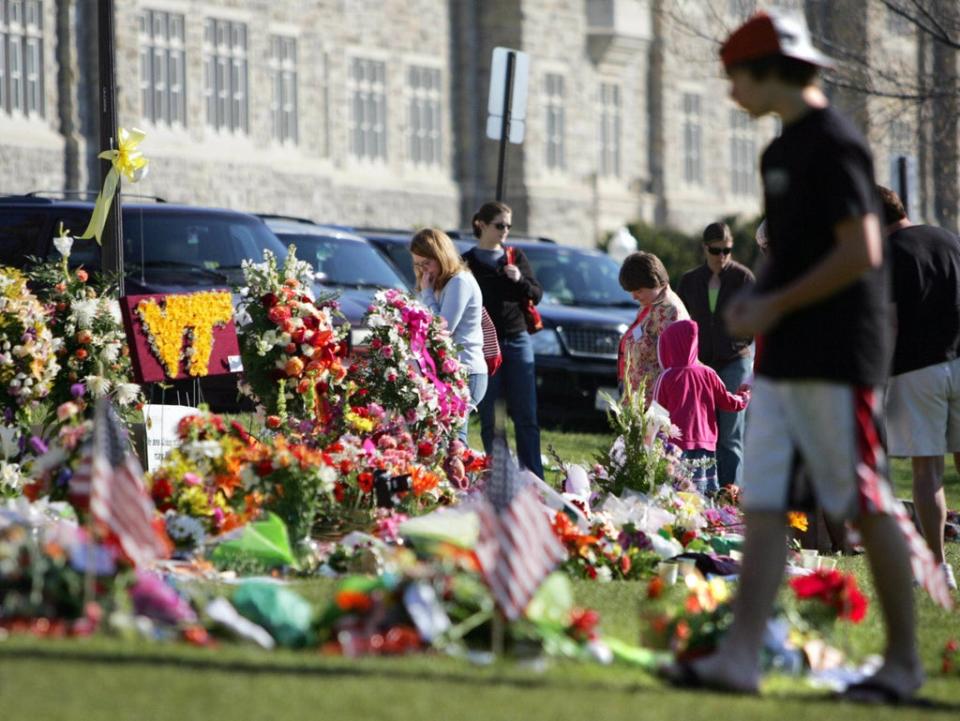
(798, 520)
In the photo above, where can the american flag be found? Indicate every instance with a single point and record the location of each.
(110, 479)
(517, 547)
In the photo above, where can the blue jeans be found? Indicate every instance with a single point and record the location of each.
(730, 425)
(477, 382)
(517, 382)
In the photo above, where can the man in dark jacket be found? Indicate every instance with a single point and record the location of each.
(705, 291)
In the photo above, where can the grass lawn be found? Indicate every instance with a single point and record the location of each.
(114, 679)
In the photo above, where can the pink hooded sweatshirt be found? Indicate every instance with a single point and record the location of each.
(691, 392)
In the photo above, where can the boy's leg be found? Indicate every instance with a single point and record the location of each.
(889, 557)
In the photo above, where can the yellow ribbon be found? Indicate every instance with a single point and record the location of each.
(125, 160)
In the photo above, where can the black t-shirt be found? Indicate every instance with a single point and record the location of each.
(816, 174)
(925, 262)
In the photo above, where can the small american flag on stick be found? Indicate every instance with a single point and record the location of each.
(517, 547)
(111, 477)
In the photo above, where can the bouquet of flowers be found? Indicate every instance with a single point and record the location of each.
(28, 349)
(208, 477)
(687, 619)
(387, 455)
(93, 347)
(42, 574)
(412, 370)
(642, 458)
(292, 350)
(605, 553)
(826, 596)
(292, 480)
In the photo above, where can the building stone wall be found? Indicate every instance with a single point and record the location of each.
(654, 51)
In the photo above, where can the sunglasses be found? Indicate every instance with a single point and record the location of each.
(719, 251)
(502, 226)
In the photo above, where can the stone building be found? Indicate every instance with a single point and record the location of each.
(373, 112)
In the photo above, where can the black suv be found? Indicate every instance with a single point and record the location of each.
(584, 310)
(167, 249)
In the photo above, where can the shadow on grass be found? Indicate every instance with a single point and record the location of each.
(400, 674)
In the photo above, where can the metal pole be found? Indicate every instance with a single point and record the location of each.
(505, 125)
(904, 178)
(111, 253)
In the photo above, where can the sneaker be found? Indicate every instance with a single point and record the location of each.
(951, 579)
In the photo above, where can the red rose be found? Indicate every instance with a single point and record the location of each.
(365, 481)
(268, 299)
(264, 467)
(339, 492)
(425, 449)
(274, 422)
(278, 314)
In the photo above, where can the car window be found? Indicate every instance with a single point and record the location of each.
(19, 235)
(399, 255)
(343, 262)
(210, 241)
(574, 277)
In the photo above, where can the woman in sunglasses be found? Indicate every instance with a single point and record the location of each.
(706, 291)
(508, 285)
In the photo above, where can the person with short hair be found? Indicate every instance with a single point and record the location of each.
(821, 301)
(923, 393)
(706, 291)
(506, 288)
(448, 288)
(643, 276)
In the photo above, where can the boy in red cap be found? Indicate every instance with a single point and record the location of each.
(821, 303)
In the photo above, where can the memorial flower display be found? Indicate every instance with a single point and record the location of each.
(412, 370)
(93, 353)
(292, 344)
(28, 348)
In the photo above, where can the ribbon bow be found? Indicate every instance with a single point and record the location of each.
(125, 160)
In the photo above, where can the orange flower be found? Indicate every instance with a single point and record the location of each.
(294, 367)
(353, 601)
(422, 480)
(655, 587)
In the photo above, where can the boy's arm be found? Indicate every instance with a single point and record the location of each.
(859, 248)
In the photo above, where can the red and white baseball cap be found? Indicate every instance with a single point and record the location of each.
(767, 34)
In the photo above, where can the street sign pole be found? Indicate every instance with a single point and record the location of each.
(505, 126)
(111, 252)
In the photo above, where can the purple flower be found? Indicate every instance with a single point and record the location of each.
(633, 539)
(155, 599)
(77, 390)
(37, 445)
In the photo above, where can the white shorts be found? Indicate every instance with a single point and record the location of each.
(831, 427)
(923, 411)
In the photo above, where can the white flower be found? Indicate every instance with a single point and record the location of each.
(84, 311)
(604, 574)
(127, 393)
(113, 308)
(110, 353)
(63, 243)
(10, 477)
(9, 435)
(97, 385)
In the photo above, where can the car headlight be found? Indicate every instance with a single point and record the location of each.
(359, 337)
(547, 342)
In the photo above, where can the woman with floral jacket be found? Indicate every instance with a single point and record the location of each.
(644, 277)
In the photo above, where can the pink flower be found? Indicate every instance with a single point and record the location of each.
(387, 352)
(450, 366)
(192, 479)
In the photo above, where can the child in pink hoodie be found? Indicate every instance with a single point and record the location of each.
(693, 393)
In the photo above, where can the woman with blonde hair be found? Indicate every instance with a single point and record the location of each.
(448, 289)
